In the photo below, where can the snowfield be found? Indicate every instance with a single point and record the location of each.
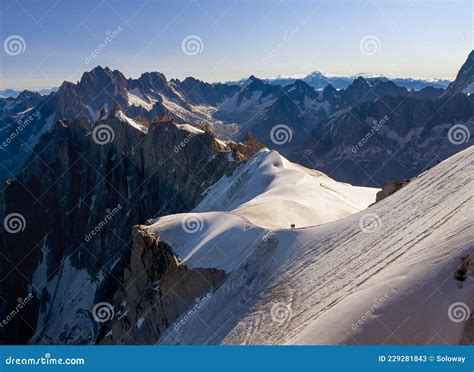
(384, 275)
(266, 193)
(134, 123)
(272, 192)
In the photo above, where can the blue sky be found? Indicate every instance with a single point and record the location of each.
(422, 38)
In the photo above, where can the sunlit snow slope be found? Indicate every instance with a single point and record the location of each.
(267, 192)
(389, 282)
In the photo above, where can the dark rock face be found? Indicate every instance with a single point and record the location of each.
(302, 109)
(199, 92)
(21, 125)
(464, 82)
(102, 87)
(362, 90)
(97, 91)
(244, 150)
(394, 139)
(258, 107)
(389, 188)
(430, 93)
(79, 201)
(156, 291)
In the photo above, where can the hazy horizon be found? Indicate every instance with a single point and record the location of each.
(230, 40)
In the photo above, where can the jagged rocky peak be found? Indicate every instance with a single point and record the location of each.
(100, 73)
(316, 79)
(254, 83)
(357, 89)
(151, 82)
(246, 148)
(301, 87)
(363, 89)
(100, 77)
(28, 95)
(97, 88)
(153, 76)
(156, 290)
(66, 86)
(134, 173)
(464, 82)
(361, 82)
(329, 91)
(199, 92)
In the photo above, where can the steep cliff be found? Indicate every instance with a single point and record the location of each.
(77, 197)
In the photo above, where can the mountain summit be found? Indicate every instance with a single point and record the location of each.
(464, 82)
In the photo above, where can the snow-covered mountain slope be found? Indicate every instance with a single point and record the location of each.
(267, 192)
(248, 102)
(381, 276)
(270, 185)
(160, 172)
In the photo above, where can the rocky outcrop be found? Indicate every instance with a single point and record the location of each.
(156, 291)
(389, 188)
(96, 92)
(79, 198)
(464, 82)
(245, 149)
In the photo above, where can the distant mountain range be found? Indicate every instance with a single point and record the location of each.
(255, 106)
(315, 79)
(318, 80)
(13, 93)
